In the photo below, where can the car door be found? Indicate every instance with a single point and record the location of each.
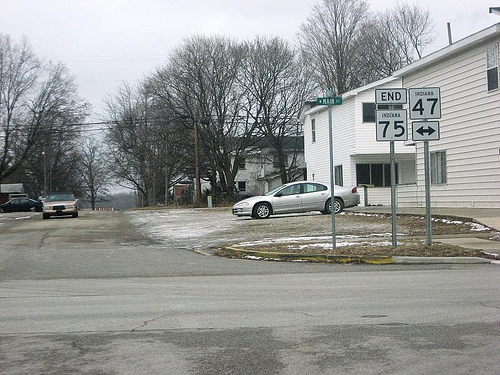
(24, 205)
(314, 196)
(288, 200)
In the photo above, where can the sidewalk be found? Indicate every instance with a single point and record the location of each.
(489, 217)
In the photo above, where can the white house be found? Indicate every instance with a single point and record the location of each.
(359, 159)
(465, 162)
(258, 172)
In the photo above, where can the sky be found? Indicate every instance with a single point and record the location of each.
(105, 43)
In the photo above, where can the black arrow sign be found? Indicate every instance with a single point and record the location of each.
(422, 131)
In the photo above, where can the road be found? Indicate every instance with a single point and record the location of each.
(102, 294)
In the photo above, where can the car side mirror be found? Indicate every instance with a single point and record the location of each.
(280, 194)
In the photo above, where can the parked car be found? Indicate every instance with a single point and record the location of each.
(58, 204)
(301, 196)
(21, 205)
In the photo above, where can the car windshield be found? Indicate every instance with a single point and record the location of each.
(60, 197)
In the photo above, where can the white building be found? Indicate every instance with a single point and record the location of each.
(465, 162)
(258, 172)
(358, 158)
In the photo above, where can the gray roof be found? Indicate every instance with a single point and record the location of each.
(11, 188)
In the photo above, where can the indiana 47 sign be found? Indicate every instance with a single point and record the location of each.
(425, 103)
(392, 125)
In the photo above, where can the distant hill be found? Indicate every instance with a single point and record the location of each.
(119, 201)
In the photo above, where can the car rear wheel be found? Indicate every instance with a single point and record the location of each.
(46, 216)
(261, 211)
(75, 215)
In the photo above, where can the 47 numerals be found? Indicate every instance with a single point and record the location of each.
(419, 106)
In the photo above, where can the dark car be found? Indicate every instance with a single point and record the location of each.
(21, 205)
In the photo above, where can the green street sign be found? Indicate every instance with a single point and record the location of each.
(337, 100)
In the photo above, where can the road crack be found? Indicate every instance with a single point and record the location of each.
(146, 322)
(486, 305)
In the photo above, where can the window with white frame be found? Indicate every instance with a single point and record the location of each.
(438, 167)
(313, 130)
(377, 175)
(339, 175)
(492, 67)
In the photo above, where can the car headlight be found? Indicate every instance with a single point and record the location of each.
(241, 205)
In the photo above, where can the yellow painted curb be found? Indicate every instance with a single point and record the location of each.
(327, 258)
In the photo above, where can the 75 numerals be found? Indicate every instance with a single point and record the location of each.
(398, 126)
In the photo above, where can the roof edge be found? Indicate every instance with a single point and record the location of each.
(444, 52)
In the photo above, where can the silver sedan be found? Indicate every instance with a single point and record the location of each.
(301, 196)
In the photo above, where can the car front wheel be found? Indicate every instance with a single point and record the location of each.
(261, 211)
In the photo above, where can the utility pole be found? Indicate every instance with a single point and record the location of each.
(44, 172)
(197, 195)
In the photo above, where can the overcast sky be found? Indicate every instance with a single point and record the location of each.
(107, 42)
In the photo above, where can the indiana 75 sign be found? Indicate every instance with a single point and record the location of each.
(392, 125)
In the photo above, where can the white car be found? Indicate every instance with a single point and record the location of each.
(300, 196)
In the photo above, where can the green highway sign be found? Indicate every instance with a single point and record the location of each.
(337, 100)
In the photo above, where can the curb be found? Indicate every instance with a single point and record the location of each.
(368, 259)
(327, 258)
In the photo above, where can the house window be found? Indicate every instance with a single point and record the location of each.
(313, 130)
(377, 175)
(242, 186)
(242, 163)
(438, 167)
(339, 175)
(369, 112)
(276, 162)
(492, 67)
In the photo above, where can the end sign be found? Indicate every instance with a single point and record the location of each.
(391, 96)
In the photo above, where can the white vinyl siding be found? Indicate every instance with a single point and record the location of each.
(354, 142)
(470, 131)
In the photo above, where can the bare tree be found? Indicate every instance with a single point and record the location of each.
(93, 170)
(201, 82)
(277, 86)
(38, 102)
(19, 71)
(330, 39)
(147, 149)
(346, 46)
(413, 30)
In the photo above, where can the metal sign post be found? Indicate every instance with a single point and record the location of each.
(393, 195)
(392, 126)
(427, 193)
(425, 104)
(332, 176)
(330, 100)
